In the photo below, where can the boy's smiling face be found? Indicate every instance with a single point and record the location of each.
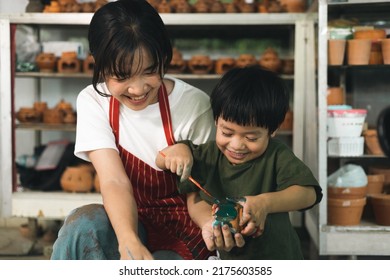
(241, 143)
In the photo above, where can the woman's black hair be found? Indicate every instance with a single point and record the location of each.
(251, 96)
(118, 34)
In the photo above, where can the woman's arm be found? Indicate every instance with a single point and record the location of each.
(119, 203)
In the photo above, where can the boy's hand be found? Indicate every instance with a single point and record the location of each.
(176, 158)
(221, 238)
(254, 214)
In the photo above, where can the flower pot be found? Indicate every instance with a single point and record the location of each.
(375, 35)
(375, 183)
(359, 51)
(372, 143)
(335, 96)
(336, 51)
(77, 179)
(386, 51)
(385, 170)
(347, 192)
(345, 212)
(381, 206)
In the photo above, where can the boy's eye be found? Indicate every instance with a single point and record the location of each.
(226, 134)
(250, 139)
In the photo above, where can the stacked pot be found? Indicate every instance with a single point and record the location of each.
(347, 190)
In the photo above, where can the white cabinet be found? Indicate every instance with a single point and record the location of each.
(367, 238)
(300, 28)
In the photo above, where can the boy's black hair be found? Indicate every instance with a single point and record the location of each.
(117, 34)
(251, 96)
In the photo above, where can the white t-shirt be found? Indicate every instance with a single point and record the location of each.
(141, 132)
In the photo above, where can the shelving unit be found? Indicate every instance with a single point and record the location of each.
(367, 238)
(57, 205)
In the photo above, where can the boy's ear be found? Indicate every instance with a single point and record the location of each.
(274, 133)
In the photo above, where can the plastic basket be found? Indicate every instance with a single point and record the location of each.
(346, 147)
(346, 123)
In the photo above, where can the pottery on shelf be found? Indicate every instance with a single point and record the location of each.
(224, 64)
(288, 66)
(270, 60)
(375, 35)
(77, 179)
(385, 44)
(335, 96)
(358, 51)
(294, 6)
(371, 142)
(381, 207)
(246, 60)
(345, 212)
(347, 192)
(88, 64)
(200, 64)
(69, 63)
(46, 62)
(336, 51)
(28, 115)
(375, 184)
(385, 170)
(178, 64)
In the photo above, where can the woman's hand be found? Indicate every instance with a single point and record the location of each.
(136, 251)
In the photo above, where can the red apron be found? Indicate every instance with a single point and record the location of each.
(161, 209)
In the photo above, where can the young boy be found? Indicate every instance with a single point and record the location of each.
(248, 104)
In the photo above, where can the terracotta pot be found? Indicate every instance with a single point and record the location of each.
(178, 64)
(53, 116)
(359, 51)
(336, 51)
(288, 66)
(77, 179)
(217, 7)
(245, 60)
(345, 212)
(27, 115)
(375, 35)
(347, 192)
(224, 64)
(46, 62)
(270, 60)
(200, 64)
(375, 184)
(385, 170)
(386, 51)
(69, 63)
(287, 123)
(335, 96)
(371, 142)
(294, 6)
(88, 64)
(381, 207)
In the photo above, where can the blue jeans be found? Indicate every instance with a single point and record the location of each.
(87, 234)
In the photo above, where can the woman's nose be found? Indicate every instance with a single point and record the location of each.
(136, 86)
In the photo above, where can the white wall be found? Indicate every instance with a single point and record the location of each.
(17, 6)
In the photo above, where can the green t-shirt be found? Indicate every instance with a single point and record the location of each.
(277, 169)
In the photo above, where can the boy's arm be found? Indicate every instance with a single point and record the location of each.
(256, 208)
(176, 158)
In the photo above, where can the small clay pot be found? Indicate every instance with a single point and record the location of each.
(200, 64)
(246, 60)
(53, 7)
(335, 96)
(336, 51)
(345, 212)
(201, 6)
(230, 8)
(375, 35)
(358, 51)
(371, 142)
(294, 6)
(182, 6)
(28, 115)
(288, 66)
(178, 64)
(164, 7)
(287, 123)
(217, 7)
(53, 116)
(69, 63)
(224, 64)
(69, 117)
(347, 192)
(46, 62)
(270, 60)
(375, 184)
(381, 206)
(88, 64)
(77, 179)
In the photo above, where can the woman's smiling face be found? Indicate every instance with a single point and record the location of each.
(241, 143)
(140, 90)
